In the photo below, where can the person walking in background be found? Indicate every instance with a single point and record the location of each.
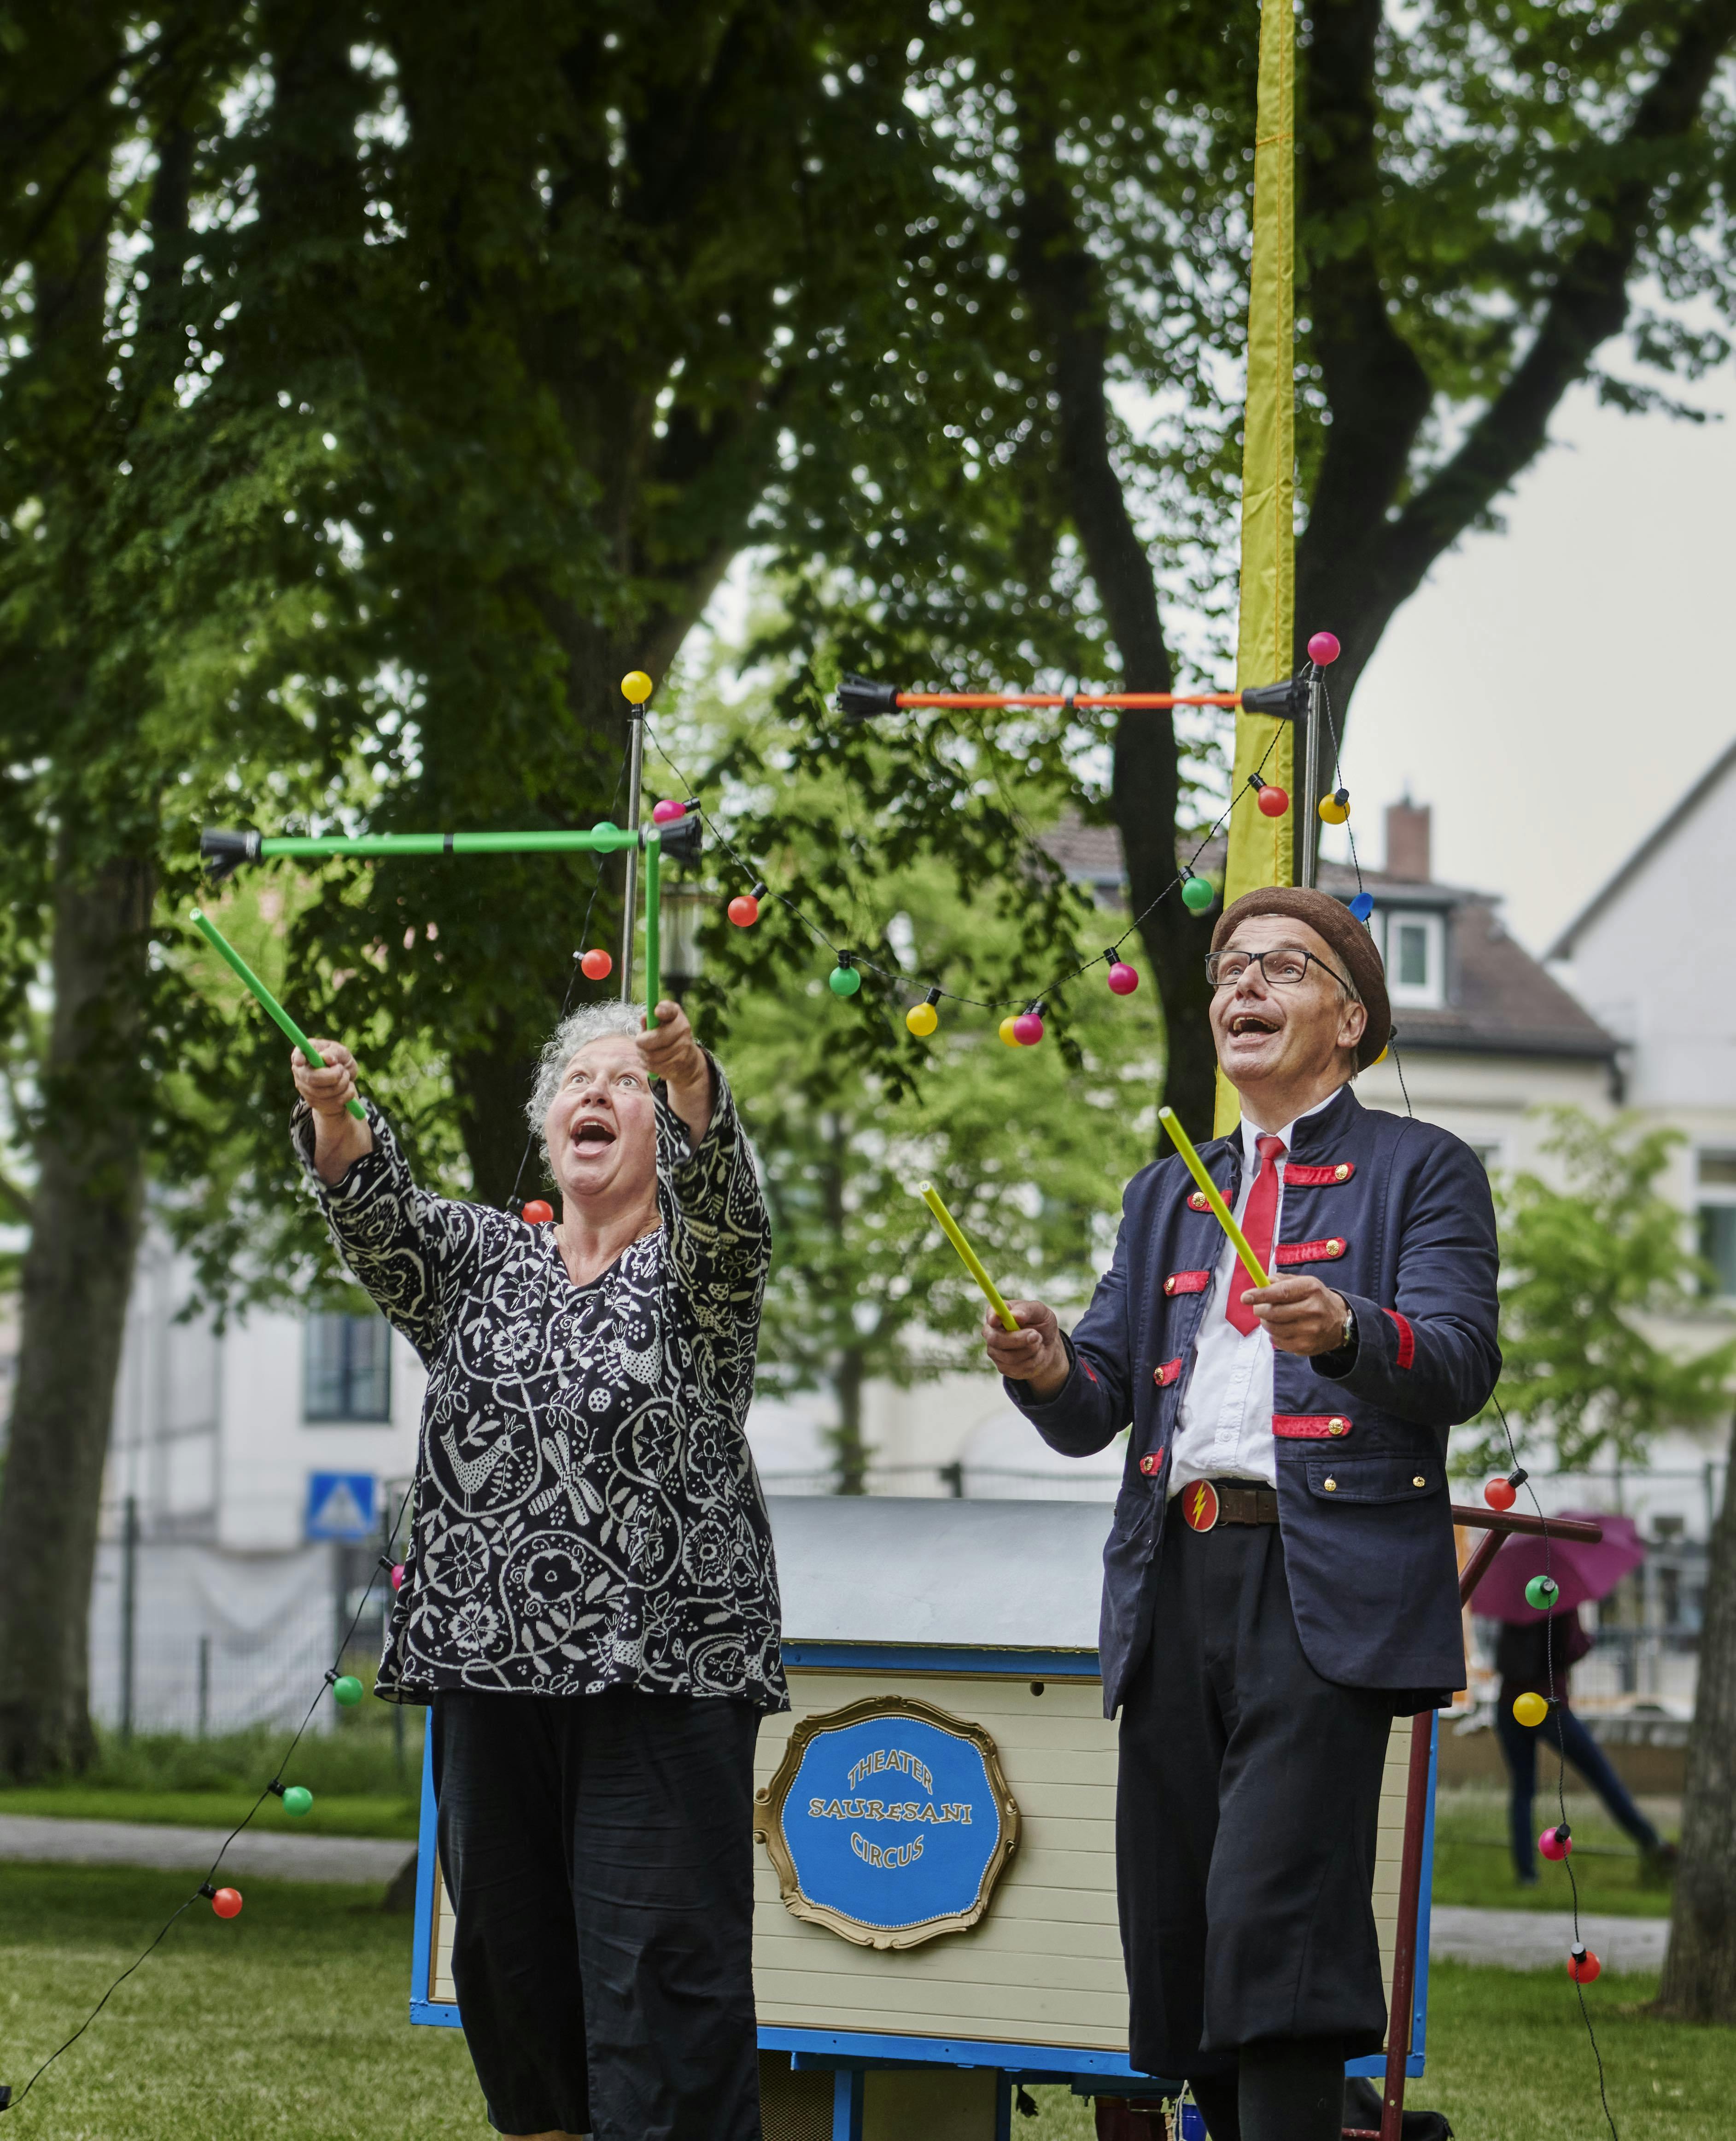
(1537, 1659)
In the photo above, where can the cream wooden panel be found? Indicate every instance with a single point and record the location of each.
(440, 1988)
(1044, 1967)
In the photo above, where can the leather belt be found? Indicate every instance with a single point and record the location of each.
(1206, 1503)
(1248, 1505)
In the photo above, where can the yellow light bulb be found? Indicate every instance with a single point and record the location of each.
(921, 1019)
(1380, 1058)
(1332, 811)
(1530, 1708)
(636, 686)
(1008, 1034)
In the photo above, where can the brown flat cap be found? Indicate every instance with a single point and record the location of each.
(1330, 919)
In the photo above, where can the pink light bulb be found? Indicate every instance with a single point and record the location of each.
(1027, 1029)
(1554, 1842)
(1123, 979)
(668, 811)
(1324, 647)
(397, 1576)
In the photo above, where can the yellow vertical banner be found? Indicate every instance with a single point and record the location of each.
(1262, 848)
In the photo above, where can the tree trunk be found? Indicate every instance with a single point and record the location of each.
(85, 1217)
(849, 1449)
(1699, 1974)
(1060, 278)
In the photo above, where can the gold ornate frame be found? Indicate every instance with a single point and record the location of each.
(768, 1821)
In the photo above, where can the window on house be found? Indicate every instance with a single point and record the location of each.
(1414, 949)
(346, 1368)
(1717, 1217)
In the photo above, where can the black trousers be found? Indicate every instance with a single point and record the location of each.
(597, 1850)
(1245, 1815)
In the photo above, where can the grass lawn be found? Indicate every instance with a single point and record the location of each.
(1472, 1865)
(289, 2022)
(336, 1813)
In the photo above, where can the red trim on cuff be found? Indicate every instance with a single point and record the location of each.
(1187, 1282)
(1407, 1337)
(1166, 1374)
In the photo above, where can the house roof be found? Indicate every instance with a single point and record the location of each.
(1658, 836)
(1501, 1001)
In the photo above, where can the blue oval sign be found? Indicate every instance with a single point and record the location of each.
(894, 1820)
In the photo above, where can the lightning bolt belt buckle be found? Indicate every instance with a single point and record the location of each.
(1199, 1505)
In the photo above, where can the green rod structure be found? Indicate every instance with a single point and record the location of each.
(654, 975)
(268, 1003)
(600, 839)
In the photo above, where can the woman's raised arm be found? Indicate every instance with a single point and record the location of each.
(340, 1138)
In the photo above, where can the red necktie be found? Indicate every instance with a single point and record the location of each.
(1258, 1222)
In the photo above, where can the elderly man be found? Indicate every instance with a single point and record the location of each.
(1280, 1580)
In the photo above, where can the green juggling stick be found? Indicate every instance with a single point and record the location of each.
(268, 1003)
(1209, 1190)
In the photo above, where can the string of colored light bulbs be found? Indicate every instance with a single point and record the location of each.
(1532, 1710)
(1025, 1028)
(1022, 1030)
(347, 1691)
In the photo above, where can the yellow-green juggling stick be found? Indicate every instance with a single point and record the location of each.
(268, 1003)
(968, 1256)
(1209, 1190)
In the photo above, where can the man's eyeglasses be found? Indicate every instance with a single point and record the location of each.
(1284, 967)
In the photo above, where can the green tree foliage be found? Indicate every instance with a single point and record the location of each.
(1029, 1147)
(1588, 1270)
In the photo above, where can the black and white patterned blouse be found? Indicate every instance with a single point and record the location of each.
(586, 1513)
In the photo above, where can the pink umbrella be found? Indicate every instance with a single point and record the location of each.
(1583, 1572)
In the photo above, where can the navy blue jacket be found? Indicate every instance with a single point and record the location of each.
(1395, 1215)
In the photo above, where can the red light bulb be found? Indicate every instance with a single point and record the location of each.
(1501, 1494)
(537, 1213)
(1273, 802)
(227, 1903)
(596, 965)
(743, 910)
(1583, 1966)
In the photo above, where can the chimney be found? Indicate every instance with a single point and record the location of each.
(1407, 841)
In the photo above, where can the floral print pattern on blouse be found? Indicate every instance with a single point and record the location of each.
(587, 1514)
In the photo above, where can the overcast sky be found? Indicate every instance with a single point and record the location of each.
(1553, 691)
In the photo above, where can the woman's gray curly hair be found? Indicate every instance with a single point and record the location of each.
(590, 1022)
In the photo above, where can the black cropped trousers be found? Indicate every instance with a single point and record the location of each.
(598, 1851)
(1246, 1816)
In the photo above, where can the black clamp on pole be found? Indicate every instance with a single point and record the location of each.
(1287, 701)
(222, 852)
(859, 698)
(683, 838)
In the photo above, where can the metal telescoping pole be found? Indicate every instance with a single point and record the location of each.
(1308, 803)
(635, 766)
(129, 1608)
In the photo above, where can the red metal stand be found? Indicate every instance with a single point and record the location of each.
(1496, 1524)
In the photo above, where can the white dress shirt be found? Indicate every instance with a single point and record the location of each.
(1225, 1428)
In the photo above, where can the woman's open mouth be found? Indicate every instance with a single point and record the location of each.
(592, 1132)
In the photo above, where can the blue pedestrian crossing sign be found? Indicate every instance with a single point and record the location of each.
(342, 1505)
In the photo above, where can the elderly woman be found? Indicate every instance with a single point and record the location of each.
(590, 1603)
